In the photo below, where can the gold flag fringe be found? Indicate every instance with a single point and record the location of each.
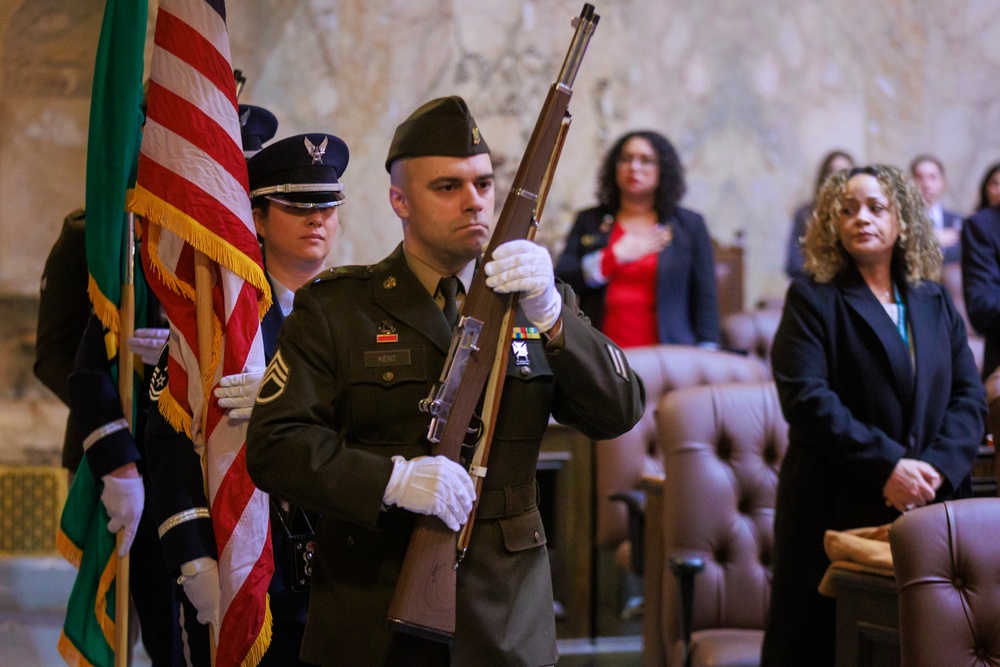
(219, 250)
(256, 652)
(106, 311)
(172, 411)
(69, 551)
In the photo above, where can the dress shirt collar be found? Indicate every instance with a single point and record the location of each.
(283, 296)
(430, 278)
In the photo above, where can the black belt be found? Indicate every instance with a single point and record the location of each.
(508, 501)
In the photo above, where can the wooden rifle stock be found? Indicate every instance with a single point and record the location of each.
(424, 600)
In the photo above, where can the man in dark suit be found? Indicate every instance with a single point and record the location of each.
(981, 280)
(337, 428)
(928, 172)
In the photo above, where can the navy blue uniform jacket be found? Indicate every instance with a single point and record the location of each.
(687, 311)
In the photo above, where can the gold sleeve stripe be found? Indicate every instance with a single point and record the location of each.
(183, 517)
(103, 432)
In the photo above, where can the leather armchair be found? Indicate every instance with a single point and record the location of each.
(751, 331)
(947, 562)
(722, 446)
(620, 463)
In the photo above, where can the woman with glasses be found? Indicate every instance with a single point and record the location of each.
(641, 264)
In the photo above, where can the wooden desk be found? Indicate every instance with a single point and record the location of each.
(565, 482)
(867, 619)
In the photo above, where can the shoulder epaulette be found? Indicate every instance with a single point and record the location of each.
(345, 272)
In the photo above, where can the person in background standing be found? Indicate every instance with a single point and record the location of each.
(641, 264)
(928, 172)
(989, 188)
(833, 161)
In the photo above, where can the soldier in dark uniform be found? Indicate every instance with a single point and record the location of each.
(295, 192)
(337, 428)
(63, 311)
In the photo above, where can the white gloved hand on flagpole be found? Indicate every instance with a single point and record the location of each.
(200, 579)
(123, 498)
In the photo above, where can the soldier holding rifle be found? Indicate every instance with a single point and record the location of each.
(337, 428)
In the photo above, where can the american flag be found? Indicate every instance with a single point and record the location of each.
(192, 192)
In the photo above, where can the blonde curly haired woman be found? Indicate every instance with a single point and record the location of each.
(878, 385)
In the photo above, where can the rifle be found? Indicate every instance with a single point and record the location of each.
(423, 603)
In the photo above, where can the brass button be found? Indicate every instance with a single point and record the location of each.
(350, 540)
(389, 283)
(536, 536)
(525, 370)
(387, 376)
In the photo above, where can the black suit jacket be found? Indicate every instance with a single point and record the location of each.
(855, 406)
(952, 220)
(63, 312)
(981, 280)
(687, 310)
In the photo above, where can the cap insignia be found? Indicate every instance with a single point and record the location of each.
(475, 136)
(245, 117)
(316, 152)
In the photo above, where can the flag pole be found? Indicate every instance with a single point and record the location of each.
(203, 322)
(126, 368)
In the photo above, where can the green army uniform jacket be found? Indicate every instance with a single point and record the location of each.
(360, 350)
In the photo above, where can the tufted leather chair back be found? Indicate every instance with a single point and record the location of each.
(621, 462)
(947, 562)
(722, 447)
(751, 330)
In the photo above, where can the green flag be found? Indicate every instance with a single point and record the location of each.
(88, 633)
(113, 150)
(112, 154)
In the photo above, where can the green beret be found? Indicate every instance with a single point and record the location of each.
(440, 127)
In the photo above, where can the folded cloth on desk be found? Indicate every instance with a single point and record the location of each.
(858, 549)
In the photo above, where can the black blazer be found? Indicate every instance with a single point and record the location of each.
(981, 280)
(687, 311)
(854, 407)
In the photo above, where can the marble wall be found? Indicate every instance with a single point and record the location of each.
(751, 93)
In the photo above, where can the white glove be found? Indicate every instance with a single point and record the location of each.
(123, 498)
(238, 392)
(200, 579)
(433, 485)
(148, 343)
(523, 266)
(636, 244)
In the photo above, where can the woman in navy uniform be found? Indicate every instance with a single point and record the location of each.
(337, 428)
(295, 192)
(879, 388)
